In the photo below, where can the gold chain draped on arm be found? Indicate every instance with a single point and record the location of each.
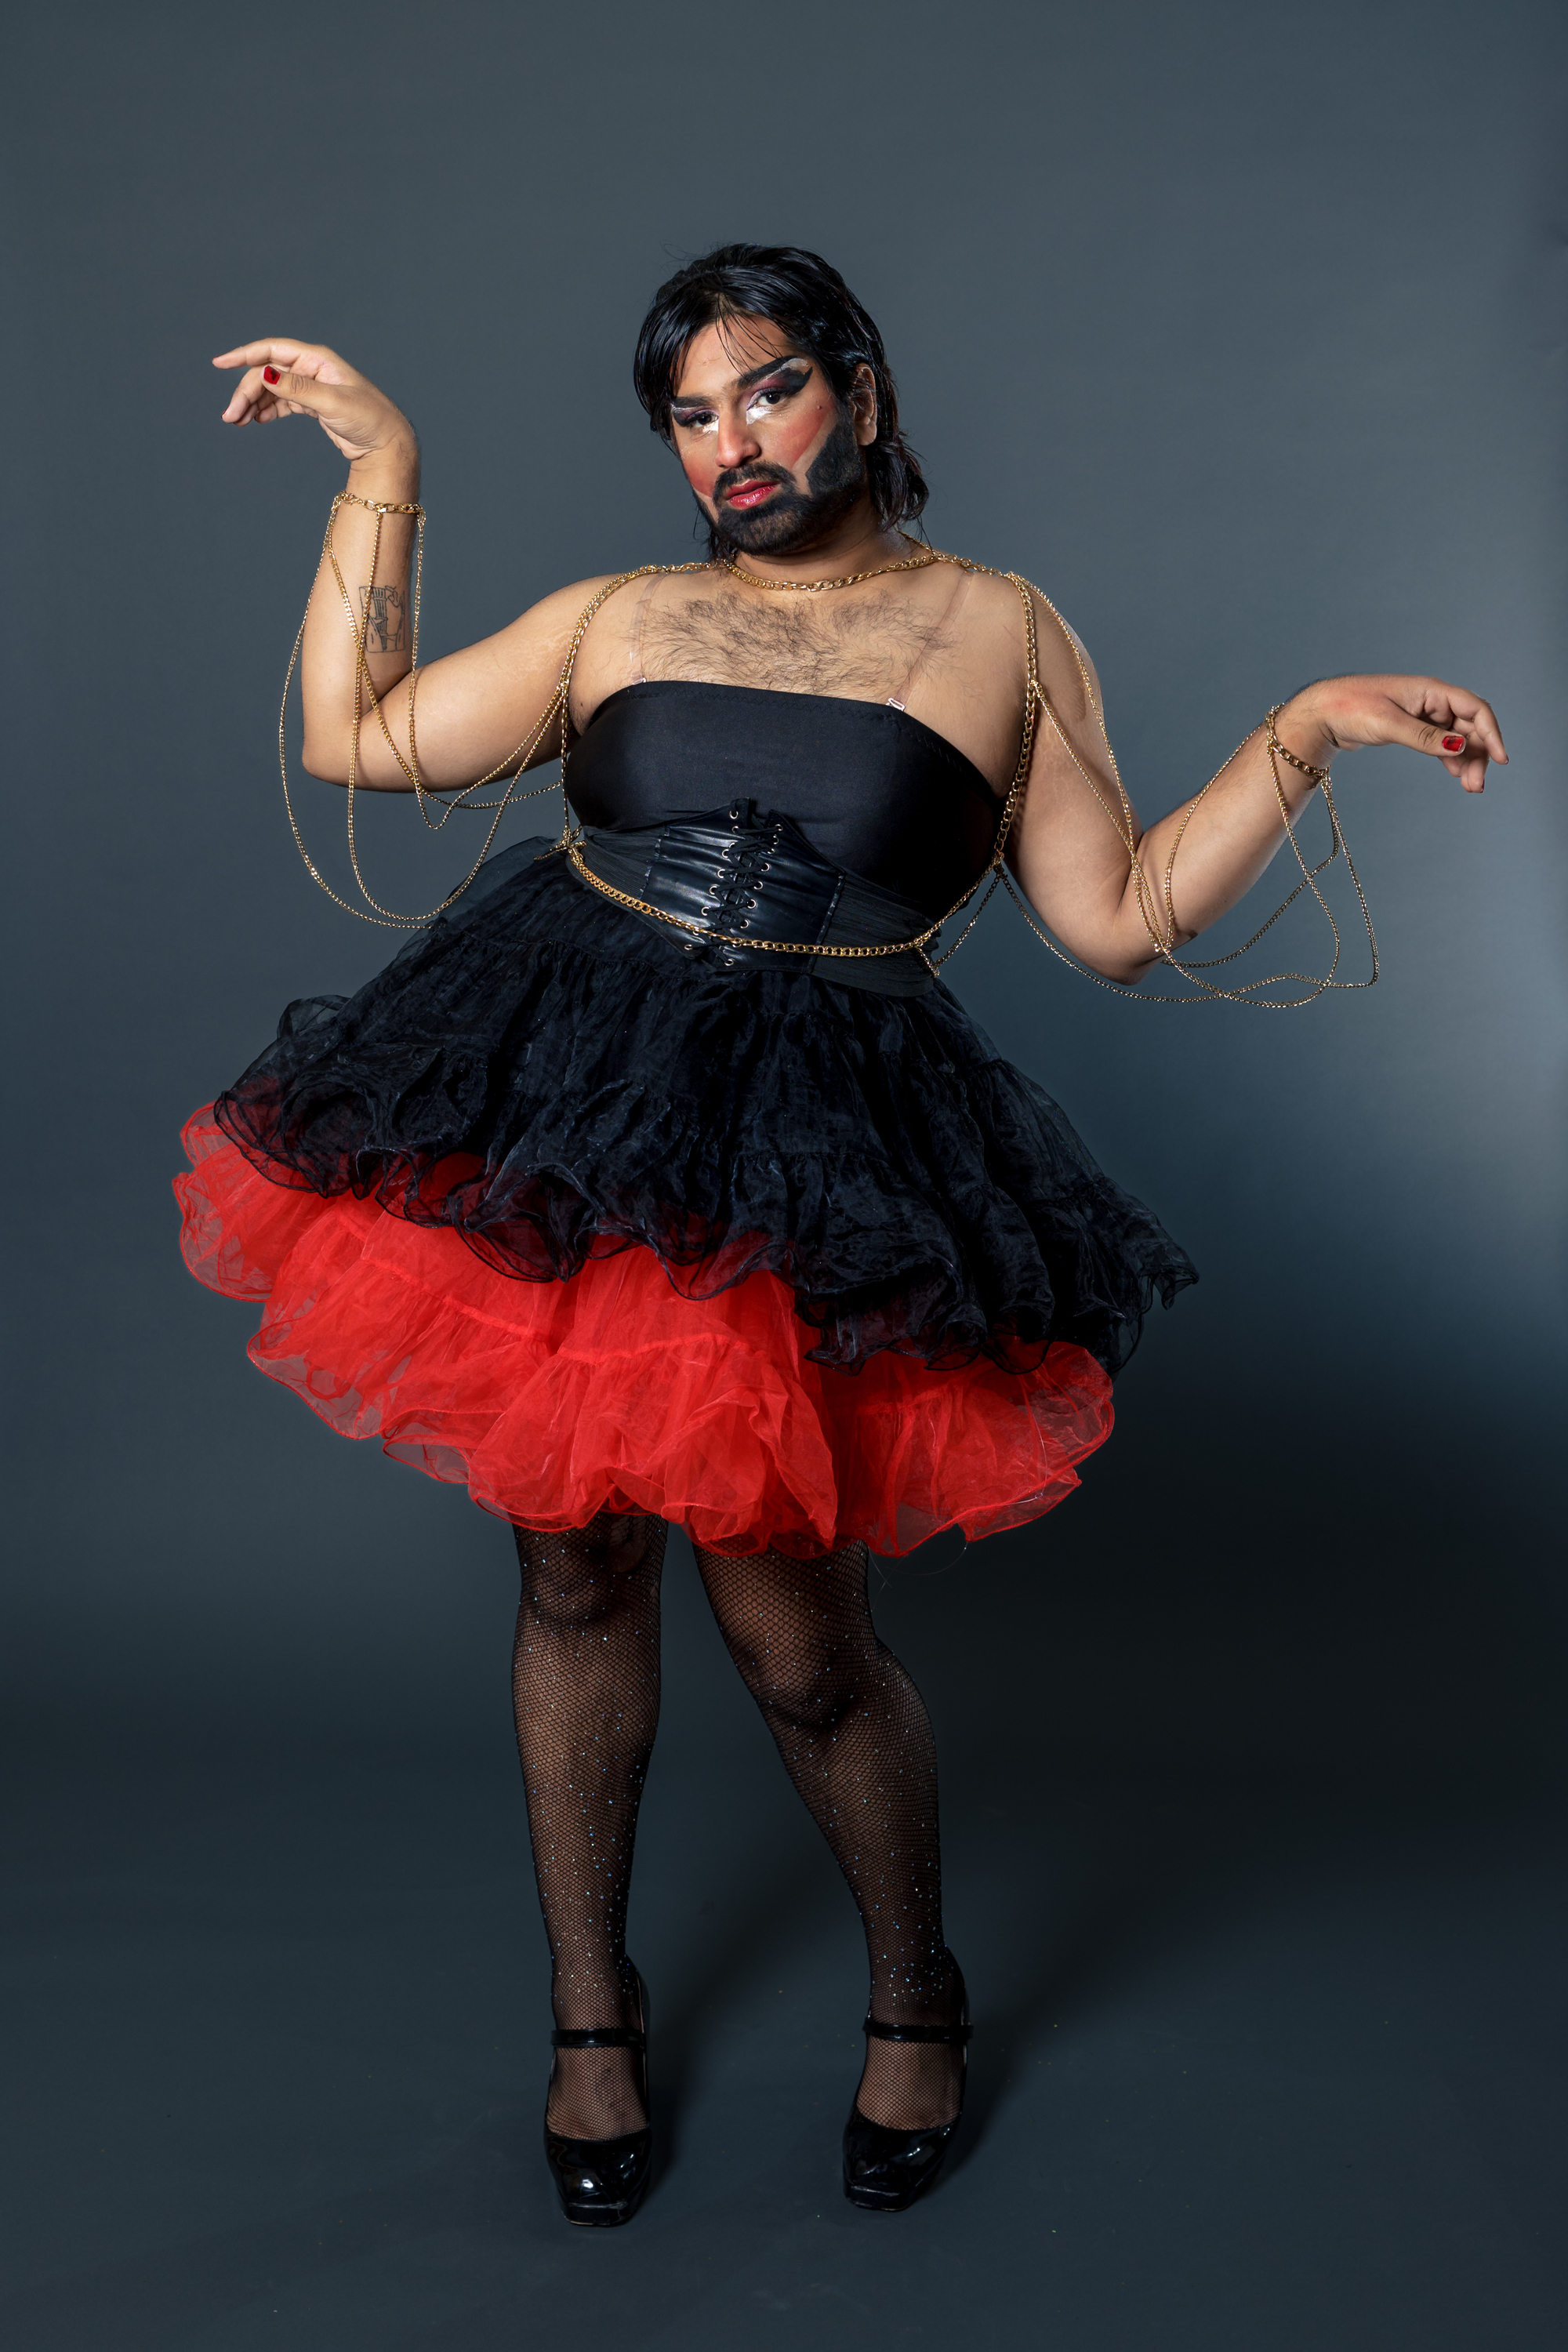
(1158, 913)
(512, 766)
(1162, 936)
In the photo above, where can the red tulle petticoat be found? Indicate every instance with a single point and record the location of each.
(553, 1401)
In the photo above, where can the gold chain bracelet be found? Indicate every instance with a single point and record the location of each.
(1317, 776)
(380, 506)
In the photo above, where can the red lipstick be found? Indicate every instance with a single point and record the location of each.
(749, 494)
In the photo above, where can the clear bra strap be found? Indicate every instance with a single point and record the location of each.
(949, 612)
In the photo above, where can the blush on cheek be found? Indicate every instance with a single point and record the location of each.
(701, 471)
(797, 437)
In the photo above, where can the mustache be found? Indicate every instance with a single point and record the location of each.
(741, 475)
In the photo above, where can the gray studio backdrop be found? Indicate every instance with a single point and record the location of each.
(1238, 330)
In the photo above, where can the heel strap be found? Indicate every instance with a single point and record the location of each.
(953, 2034)
(598, 2037)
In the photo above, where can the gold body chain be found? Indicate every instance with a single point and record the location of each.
(921, 561)
(1158, 913)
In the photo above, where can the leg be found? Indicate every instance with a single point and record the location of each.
(585, 1691)
(856, 1742)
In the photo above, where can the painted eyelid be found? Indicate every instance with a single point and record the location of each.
(704, 419)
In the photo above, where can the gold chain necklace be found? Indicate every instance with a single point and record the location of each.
(926, 556)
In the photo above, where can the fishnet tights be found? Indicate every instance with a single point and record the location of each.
(855, 1739)
(585, 1695)
(856, 1742)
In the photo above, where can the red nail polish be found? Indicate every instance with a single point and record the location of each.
(270, 374)
(1452, 742)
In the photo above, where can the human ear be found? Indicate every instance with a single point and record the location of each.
(863, 404)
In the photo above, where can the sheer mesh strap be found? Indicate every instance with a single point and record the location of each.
(636, 673)
(949, 612)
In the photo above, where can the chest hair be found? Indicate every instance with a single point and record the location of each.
(865, 650)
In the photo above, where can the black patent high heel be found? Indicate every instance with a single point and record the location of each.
(884, 2171)
(601, 2182)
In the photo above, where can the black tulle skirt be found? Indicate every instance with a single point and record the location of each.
(556, 1206)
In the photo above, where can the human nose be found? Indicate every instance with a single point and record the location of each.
(738, 442)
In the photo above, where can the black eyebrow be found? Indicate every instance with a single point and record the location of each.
(741, 383)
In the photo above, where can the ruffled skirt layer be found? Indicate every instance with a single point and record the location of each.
(611, 1390)
(556, 1208)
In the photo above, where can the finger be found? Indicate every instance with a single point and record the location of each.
(244, 396)
(251, 393)
(276, 391)
(1435, 737)
(1479, 721)
(1465, 758)
(1463, 754)
(1465, 712)
(281, 351)
(1470, 732)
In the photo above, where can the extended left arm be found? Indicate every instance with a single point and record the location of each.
(1078, 874)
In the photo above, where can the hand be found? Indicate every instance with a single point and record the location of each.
(1426, 714)
(287, 379)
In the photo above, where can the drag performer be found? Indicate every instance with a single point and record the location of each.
(659, 1181)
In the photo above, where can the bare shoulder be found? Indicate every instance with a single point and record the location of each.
(992, 601)
(558, 614)
(996, 616)
(995, 601)
(991, 628)
(1067, 671)
(533, 648)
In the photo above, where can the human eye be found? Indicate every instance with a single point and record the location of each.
(767, 396)
(696, 420)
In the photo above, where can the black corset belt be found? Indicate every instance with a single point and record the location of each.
(752, 874)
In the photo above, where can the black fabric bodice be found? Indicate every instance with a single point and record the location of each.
(875, 792)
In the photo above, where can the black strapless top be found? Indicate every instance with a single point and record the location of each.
(875, 792)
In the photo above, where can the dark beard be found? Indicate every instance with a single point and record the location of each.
(795, 518)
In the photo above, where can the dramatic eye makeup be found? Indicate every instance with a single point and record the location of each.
(767, 396)
(783, 381)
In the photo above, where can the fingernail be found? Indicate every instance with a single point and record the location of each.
(1452, 742)
(270, 376)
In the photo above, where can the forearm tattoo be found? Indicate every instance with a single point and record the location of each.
(384, 610)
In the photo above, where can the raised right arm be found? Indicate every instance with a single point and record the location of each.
(476, 708)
